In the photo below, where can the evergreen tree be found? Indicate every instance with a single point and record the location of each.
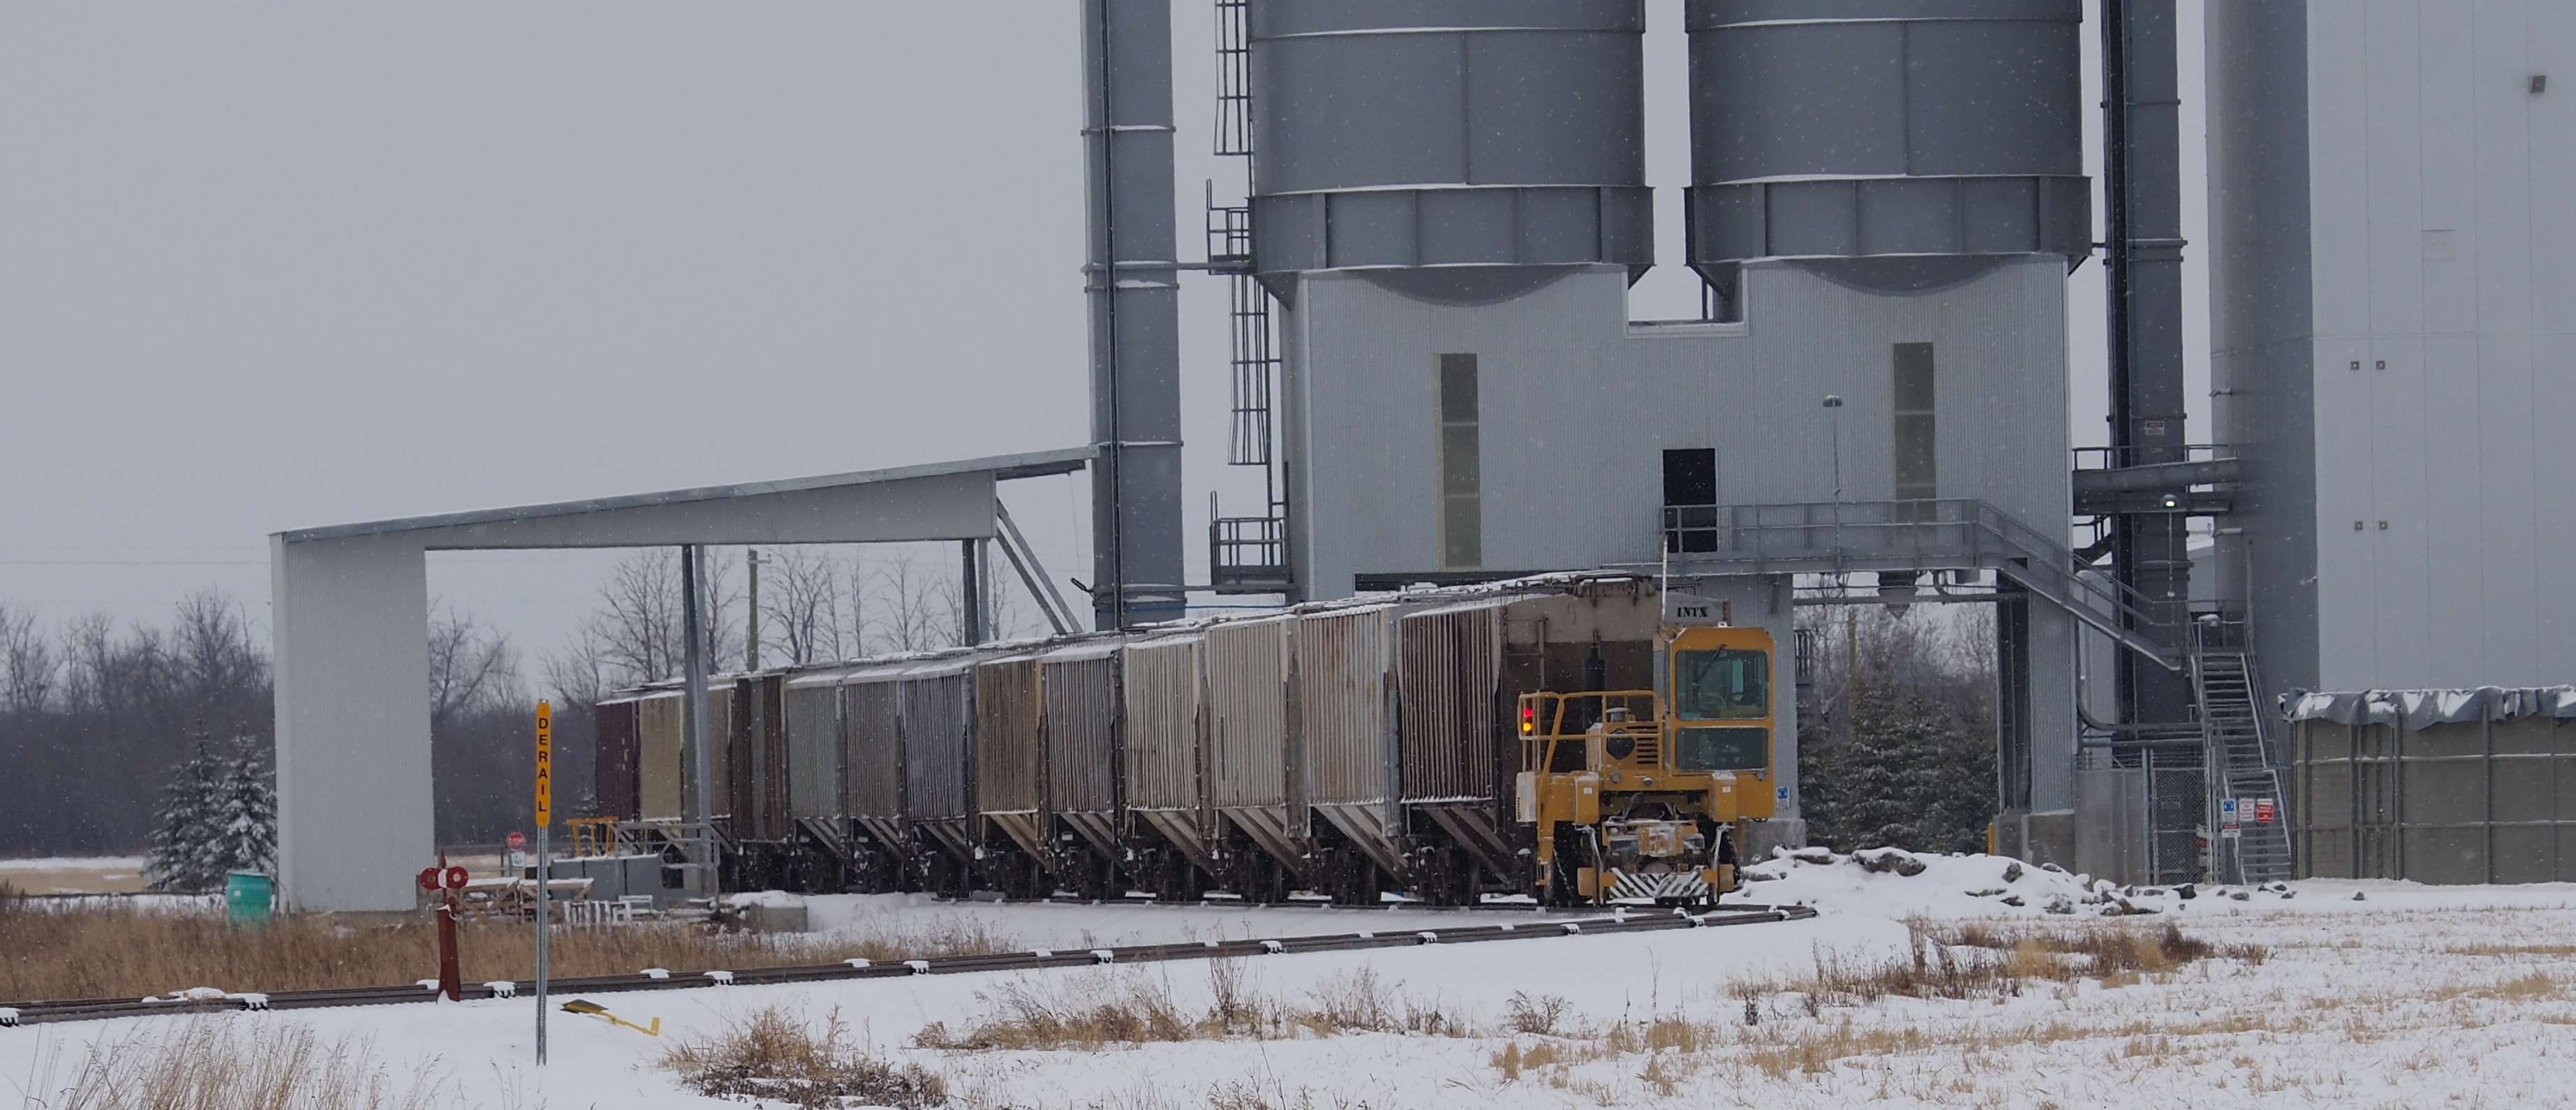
(1916, 770)
(1900, 748)
(190, 805)
(218, 815)
(246, 821)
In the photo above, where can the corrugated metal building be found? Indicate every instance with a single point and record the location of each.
(1450, 203)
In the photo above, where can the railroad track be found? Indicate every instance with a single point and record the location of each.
(34, 1013)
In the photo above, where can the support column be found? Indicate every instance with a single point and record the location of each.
(693, 662)
(1134, 296)
(976, 627)
(351, 627)
(2012, 698)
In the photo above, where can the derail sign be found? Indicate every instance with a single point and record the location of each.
(545, 765)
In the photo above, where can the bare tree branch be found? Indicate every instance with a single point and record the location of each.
(30, 665)
(802, 614)
(471, 667)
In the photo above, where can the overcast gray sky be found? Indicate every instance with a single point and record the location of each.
(276, 265)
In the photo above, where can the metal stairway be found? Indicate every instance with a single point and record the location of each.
(1246, 554)
(2243, 761)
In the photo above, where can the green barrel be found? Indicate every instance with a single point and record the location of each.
(246, 898)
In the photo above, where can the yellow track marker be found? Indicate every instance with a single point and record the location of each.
(581, 1006)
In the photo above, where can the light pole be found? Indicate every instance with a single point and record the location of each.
(1834, 407)
(1834, 412)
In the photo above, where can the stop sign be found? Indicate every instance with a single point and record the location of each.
(518, 841)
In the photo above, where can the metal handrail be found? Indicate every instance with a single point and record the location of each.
(1936, 530)
(1264, 539)
(2105, 458)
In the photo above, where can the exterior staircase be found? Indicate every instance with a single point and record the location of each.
(2245, 763)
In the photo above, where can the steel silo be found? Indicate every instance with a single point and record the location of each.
(1922, 135)
(1472, 134)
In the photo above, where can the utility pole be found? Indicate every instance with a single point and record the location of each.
(751, 635)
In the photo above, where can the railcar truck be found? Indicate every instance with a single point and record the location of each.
(1638, 796)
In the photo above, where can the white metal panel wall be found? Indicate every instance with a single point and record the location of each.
(2442, 366)
(1575, 406)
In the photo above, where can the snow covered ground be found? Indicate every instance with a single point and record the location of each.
(2364, 994)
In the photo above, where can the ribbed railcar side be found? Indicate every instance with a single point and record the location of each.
(1166, 738)
(720, 707)
(1449, 664)
(666, 775)
(817, 741)
(615, 750)
(1010, 752)
(1250, 753)
(756, 758)
(938, 753)
(1079, 694)
(1449, 672)
(1344, 677)
(661, 739)
(872, 722)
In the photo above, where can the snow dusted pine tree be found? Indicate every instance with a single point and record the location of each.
(245, 834)
(218, 815)
(189, 806)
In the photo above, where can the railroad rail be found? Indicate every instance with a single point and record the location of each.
(1643, 921)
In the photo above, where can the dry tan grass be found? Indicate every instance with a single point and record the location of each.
(91, 950)
(1804, 1037)
(2491, 949)
(771, 1055)
(1121, 1007)
(232, 1062)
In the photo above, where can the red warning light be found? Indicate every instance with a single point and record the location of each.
(1529, 719)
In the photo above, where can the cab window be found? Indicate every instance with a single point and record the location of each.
(1725, 684)
(1722, 748)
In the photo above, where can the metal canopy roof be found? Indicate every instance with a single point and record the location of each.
(1035, 464)
(350, 611)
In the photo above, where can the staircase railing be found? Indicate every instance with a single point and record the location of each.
(1944, 533)
(2244, 763)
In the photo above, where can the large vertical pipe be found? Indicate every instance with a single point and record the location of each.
(2142, 194)
(1130, 281)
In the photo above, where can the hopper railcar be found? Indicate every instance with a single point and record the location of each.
(1357, 751)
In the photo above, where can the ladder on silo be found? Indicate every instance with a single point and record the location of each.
(2243, 764)
(1246, 554)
